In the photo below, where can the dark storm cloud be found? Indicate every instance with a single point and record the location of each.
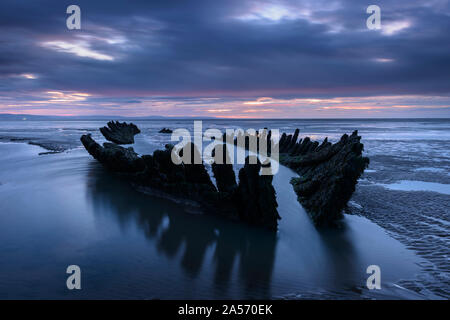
(226, 48)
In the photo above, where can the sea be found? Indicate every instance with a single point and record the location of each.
(59, 207)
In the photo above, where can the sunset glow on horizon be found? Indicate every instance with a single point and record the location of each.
(59, 103)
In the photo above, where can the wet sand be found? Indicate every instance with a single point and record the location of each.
(64, 208)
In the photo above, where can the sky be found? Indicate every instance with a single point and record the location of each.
(227, 59)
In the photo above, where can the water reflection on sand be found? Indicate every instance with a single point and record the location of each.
(66, 209)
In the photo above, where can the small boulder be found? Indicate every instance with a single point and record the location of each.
(165, 130)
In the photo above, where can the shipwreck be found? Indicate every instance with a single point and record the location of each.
(328, 174)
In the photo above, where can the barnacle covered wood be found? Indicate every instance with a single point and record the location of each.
(120, 132)
(328, 173)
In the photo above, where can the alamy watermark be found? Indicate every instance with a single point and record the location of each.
(373, 22)
(263, 144)
(74, 20)
(74, 280)
(374, 280)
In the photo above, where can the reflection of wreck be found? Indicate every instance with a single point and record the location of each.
(328, 172)
(233, 244)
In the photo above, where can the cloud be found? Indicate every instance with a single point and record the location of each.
(29, 76)
(234, 50)
(394, 27)
(79, 48)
